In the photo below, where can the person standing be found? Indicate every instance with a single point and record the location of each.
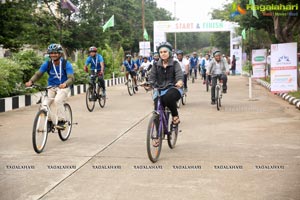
(233, 65)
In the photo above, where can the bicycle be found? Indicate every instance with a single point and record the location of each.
(182, 100)
(207, 83)
(94, 92)
(131, 85)
(219, 93)
(42, 125)
(159, 126)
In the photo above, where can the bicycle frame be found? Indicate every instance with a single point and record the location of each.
(163, 118)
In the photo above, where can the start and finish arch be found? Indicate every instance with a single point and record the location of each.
(161, 28)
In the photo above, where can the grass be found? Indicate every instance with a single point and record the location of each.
(295, 94)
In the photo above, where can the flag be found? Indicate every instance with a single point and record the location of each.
(244, 34)
(146, 37)
(109, 23)
(254, 13)
(67, 4)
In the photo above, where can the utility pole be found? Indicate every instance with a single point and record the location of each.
(175, 38)
(143, 18)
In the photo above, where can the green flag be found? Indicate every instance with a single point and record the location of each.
(146, 37)
(254, 13)
(109, 23)
(244, 34)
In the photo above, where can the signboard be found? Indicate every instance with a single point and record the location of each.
(259, 61)
(283, 67)
(236, 50)
(145, 49)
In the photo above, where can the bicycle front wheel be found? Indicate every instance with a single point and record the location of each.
(102, 98)
(154, 139)
(40, 133)
(172, 133)
(207, 85)
(65, 134)
(130, 87)
(218, 97)
(90, 99)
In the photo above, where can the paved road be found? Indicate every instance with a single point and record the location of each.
(250, 150)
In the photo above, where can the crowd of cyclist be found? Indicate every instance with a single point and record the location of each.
(164, 68)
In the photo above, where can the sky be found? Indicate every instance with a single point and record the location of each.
(187, 10)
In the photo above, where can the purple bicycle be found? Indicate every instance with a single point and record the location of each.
(160, 126)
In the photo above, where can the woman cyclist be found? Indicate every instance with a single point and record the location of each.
(167, 74)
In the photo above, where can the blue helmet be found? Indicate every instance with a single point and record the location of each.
(56, 48)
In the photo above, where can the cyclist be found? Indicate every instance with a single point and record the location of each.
(184, 67)
(139, 61)
(145, 66)
(130, 69)
(218, 69)
(194, 61)
(97, 66)
(61, 76)
(204, 64)
(164, 73)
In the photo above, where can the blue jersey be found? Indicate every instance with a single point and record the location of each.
(139, 62)
(95, 62)
(129, 65)
(193, 62)
(57, 74)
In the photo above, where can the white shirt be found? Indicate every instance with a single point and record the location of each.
(218, 69)
(146, 65)
(183, 64)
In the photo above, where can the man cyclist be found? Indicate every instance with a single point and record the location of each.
(184, 67)
(130, 67)
(61, 77)
(204, 65)
(218, 69)
(97, 66)
(194, 61)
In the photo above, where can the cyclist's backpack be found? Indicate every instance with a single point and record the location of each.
(64, 66)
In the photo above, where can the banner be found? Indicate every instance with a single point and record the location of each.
(236, 49)
(259, 61)
(145, 49)
(283, 67)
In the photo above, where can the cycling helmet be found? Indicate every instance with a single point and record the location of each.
(179, 52)
(217, 53)
(92, 49)
(55, 48)
(155, 53)
(128, 56)
(165, 44)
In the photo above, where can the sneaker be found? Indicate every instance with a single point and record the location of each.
(204, 82)
(136, 89)
(213, 102)
(60, 125)
(224, 91)
(49, 126)
(104, 93)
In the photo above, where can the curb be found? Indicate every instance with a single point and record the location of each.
(292, 100)
(16, 102)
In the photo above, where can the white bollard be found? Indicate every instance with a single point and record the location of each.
(250, 88)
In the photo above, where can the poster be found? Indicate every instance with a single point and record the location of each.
(283, 67)
(236, 50)
(145, 48)
(259, 60)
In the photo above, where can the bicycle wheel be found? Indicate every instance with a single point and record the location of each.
(40, 133)
(217, 97)
(183, 99)
(178, 103)
(172, 133)
(101, 98)
(130, 87)
(154, 139)
(220, 97)
(193, 79)
(207, 84)
(90, 101)
(65, 134)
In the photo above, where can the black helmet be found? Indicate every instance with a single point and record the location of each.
(164, 44)
(54, 48)
(179, 52)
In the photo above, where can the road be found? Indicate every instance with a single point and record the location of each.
(250, 150)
